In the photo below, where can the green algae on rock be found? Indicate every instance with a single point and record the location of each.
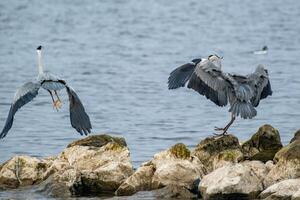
(263, 145)
(214, 152)
(287, 164)
(296, 136)
(180, 151)
(98, 141)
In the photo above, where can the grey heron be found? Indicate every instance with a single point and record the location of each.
(207, 78)
(27, 92)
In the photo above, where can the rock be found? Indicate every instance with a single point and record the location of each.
(282, 190)
(140, 181)
(263, 145)
(296, 195)
(98, 141)
(175, 166)
(22, 171)
(60, 184)
(296, 136)
(83, 170)
(216, 152)
(174, 192)
(235, 181)
(287, 164)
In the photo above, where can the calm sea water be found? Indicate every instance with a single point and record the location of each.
(118, 54)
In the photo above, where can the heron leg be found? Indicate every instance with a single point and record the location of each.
(58, 101)
(226, 127)
(53, 100)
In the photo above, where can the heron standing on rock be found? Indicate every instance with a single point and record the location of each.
(78, 117)
(242, 92)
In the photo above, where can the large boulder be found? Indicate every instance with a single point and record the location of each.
(22, 171)
(287, 164)
(215, 152)
(263, 145)
(84, 170)
(236, 181)
(282, 190)
(174, 166)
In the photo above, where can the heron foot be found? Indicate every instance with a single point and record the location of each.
(219, 129)
(57, 104)
(220, 134)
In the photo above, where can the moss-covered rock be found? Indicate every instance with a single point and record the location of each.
(174, 166)
(215, 152)
(83, 170)
(98, 141)
(263, 145)
(296, 136)
(180, 151)
(287, 164)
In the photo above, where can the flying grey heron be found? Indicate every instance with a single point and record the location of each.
(78, 117)
(242, 92)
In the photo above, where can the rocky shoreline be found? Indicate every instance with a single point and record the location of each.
(218, 168)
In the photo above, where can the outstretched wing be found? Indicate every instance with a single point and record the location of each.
(260, 82)
(79, 118)
(23, 95)
(209, 80)
(180, 75)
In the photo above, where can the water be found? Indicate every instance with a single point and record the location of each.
(118, 55)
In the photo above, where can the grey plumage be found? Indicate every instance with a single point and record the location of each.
(78, 117)
(24, 95)
(181, 75)
(242, 92)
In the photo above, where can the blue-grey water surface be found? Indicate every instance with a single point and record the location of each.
(118, 54)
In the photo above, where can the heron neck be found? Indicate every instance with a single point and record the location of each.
(40, 65)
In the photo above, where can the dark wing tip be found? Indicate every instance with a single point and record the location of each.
(179, 76)
(78, 117)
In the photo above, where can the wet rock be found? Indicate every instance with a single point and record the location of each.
(235, 181)
(215, 152)
(83, 170)
(287, 164)
(263, 145)
(22, 171)
(296, 136)
(282, 190)
(174, 192)
(175, 166)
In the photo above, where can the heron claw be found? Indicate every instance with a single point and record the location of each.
(219, 129)
(220, 134)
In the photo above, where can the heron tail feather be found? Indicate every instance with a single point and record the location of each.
(243, 109)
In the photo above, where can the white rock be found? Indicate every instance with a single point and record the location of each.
(241, 179)
(282, 190)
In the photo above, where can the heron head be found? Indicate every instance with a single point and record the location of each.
(215, 59)
(265, 48)
(39, 48)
